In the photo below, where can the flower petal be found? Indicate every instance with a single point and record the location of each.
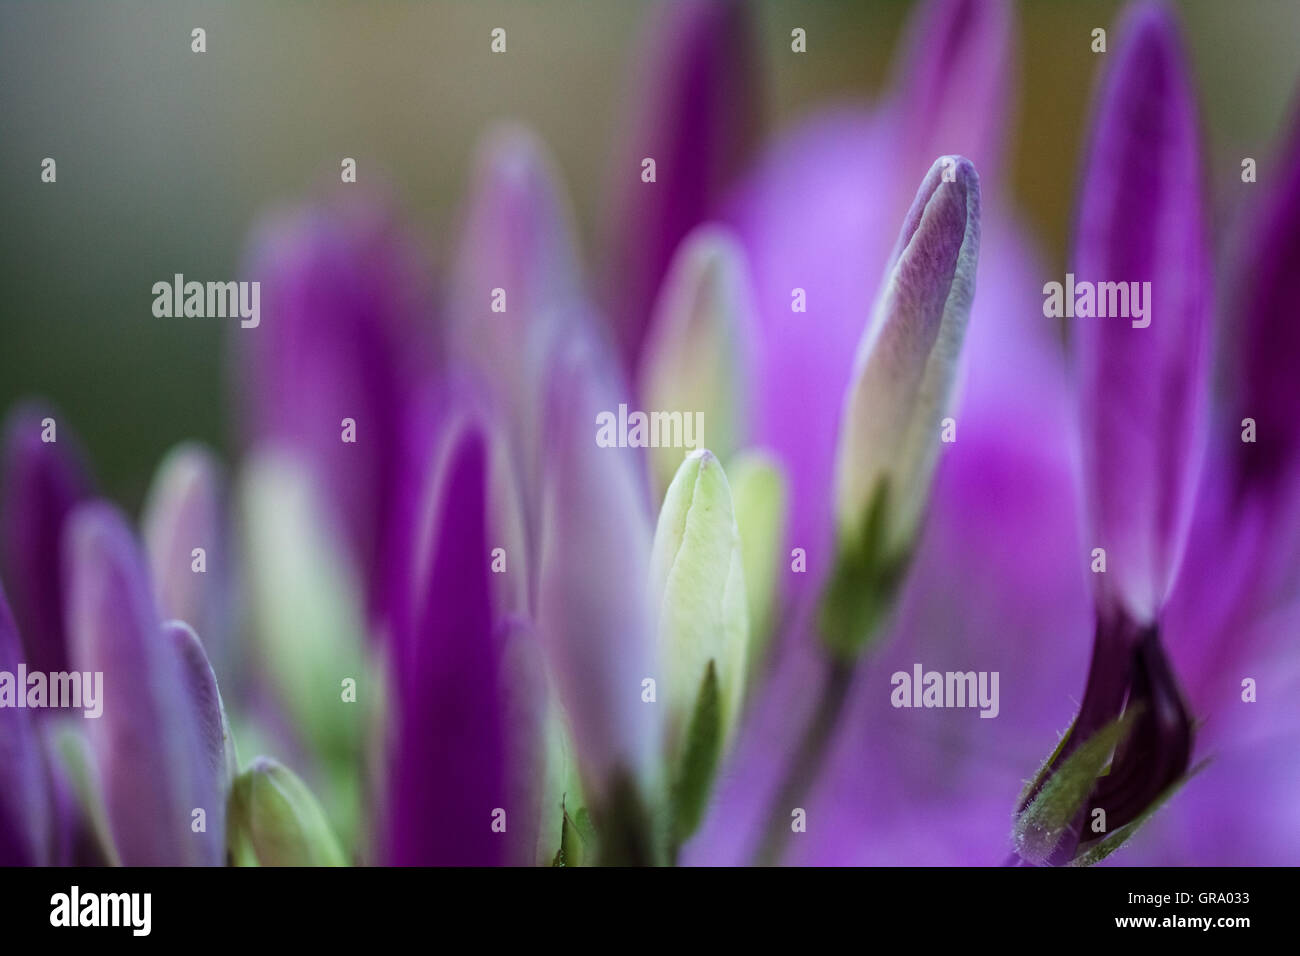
(217, 744)
(697, 123)
(343, 335)
(184, 511)
(593, 607)
(449, 675)
(25, 826)
(953, 83)
(518, 240)
(758, 489)
(1142, 388)
(695, 358)
(43, 482)
(147, 744)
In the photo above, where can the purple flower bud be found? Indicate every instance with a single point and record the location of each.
(153, 765)
(1141, 372)
(516, 288)
(447, 674)
(593, 606)
(25, 798)
(1142, 377)
(696, 125)
(907, 358)
(44, 479)
(952, 84)
(1260, 440)
(328, 369)
(186, 532)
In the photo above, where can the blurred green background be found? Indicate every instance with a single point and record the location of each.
(166, 157)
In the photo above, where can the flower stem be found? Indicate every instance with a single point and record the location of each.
(808, 759)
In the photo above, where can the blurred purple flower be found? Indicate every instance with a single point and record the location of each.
(446, 674)
(997, 578)
(476, 434)
(187, 511)
(596, 530)
(696, 114)
(26, 828)
(157, 741)
(43, 481)
(346, 337)
(1143, 388)
(1143, 391)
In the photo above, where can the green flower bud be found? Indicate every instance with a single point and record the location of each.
(759, 493)
(694, 360)
(275, 821)
(902, 382)
(698, 576)
(307, 622)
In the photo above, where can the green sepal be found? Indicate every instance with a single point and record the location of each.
(1098, 850)
(1042, 824)
(1034, 782)
(700, 756)
(577, 838)
(863, 584)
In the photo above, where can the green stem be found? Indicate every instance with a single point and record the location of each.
(808, 759)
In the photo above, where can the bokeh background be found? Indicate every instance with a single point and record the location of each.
(166, 157)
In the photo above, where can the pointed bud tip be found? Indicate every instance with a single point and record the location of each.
(944, 216)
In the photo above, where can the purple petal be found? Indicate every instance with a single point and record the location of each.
(697, 123)
(340, 338)
(1143, 388)
(25, 824)
(43, 482)
(535, 797)
(952, 85)
(187, 509)
(593, 606)
(148, 749)
(1263, 384)
(1267, 335)
(518, 238)
(217, 746)
(446, 786)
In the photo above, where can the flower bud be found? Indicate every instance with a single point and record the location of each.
(187, 538)
(694, 360)
(275, 820)
(759, 494)
(697, 574)
(903, 377)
